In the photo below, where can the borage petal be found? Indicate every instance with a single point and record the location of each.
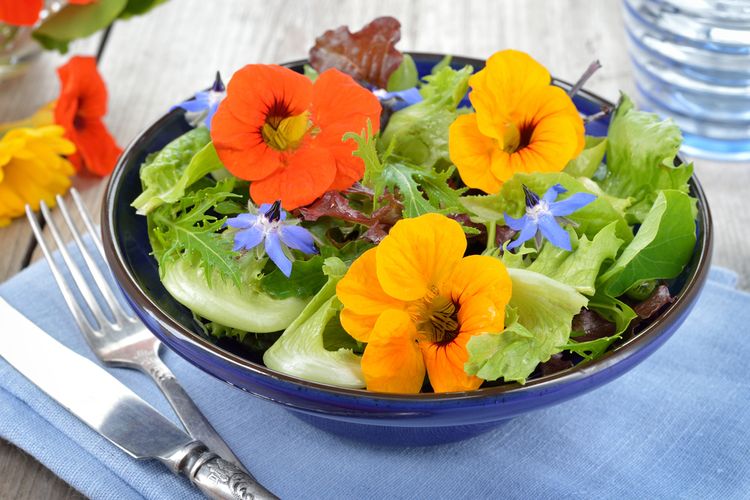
(247, 239)
(571, 204)
(528, 230)
(299, 238)
(554, 233)
(277, 255)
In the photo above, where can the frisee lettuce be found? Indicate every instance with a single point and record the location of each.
(162, 172)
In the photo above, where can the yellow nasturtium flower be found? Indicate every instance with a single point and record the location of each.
(416, 300)
(521, 124)
(32, 168)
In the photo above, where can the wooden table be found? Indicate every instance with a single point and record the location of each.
(154, 61)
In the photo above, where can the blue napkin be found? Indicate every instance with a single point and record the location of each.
(675, 426)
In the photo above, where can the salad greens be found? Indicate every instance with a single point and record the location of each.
(636, 234)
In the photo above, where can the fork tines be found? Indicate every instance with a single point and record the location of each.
(114, 316)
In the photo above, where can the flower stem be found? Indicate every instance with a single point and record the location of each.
(491, 235)
(593, 67)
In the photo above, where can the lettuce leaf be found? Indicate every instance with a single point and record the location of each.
(162, 174)
(661, 248)
(419, 133)
(405, 77)
(588, 161)
(580, 267)
(301, 351)
(641, 149)
(236, 306)
(611, 309)
(539, 323)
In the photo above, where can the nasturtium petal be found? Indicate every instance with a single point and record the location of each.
(480, 275)
(445, 365)
(360, 291)
(419, 254)
(392, 361)
(473, 153)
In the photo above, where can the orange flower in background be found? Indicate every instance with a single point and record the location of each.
(282, 132)
(26, 12)
(521, 124)
(80, 108)
(20, 12)
(416, 300)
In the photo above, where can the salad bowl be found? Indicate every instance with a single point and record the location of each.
(420, 419)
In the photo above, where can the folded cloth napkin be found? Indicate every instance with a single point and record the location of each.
(676, 426)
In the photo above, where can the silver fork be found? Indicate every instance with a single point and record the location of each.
(120, 339)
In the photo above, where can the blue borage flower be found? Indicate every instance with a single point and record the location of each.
(205, 103)
(269, 225)
(398, 100)
(543, 217)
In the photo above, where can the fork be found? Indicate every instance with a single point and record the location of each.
(119, 339)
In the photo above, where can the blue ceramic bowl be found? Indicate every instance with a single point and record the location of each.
(379, 418)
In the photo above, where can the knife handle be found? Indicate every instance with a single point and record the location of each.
(223, 480)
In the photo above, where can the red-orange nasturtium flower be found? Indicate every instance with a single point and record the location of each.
(79, 109)
(282, 132)
(416, 300)
(25, 12)
(521, 124)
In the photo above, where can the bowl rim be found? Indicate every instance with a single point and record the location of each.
(683, 301)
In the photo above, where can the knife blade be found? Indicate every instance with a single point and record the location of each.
(98, 399)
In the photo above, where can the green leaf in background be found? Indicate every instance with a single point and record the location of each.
(301, 351)
(306, 279)
(162, 174)
(580, 267)
(77, 21)
(586, 163)
(545, 310)
(138, 7)
(419, 133)
(661, 248)
(310, 72)
(641, 149)
(405, 76)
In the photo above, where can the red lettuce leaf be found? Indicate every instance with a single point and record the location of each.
(334, 204)
(369, 55)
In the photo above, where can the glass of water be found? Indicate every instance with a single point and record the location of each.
(692, 62)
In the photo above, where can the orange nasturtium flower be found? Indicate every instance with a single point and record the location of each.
(282, 132)
(416, 300)
(521, 124)
(32, 168)
(79, 109)
(25, 12)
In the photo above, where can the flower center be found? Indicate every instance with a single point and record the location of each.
(539, 210)
(438, 318)
(515, 138)
(285, 133)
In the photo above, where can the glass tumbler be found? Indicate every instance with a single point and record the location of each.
(691, 60)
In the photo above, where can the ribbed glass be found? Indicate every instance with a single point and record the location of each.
(692, 63)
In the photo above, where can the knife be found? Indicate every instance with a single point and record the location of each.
(117, 413)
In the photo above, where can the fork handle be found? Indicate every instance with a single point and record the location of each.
(189, 414)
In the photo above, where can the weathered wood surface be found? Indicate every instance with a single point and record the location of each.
(155, 61)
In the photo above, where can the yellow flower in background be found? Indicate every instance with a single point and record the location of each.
(32, 168)
(416, 300)
(522, 124)
(43, 116)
